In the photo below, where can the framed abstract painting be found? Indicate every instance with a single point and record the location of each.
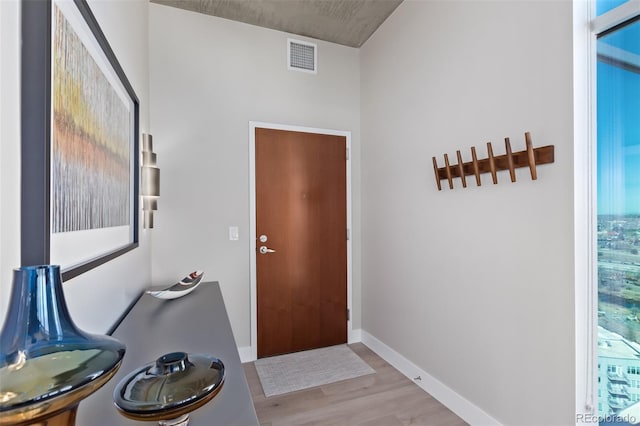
(80, 126)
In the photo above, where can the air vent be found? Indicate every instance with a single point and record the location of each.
(302, 56)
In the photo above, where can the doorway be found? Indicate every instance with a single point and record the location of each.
(300, 247)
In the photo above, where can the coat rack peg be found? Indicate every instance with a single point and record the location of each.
(476, 168)
(492, 163)
(512, 170)
(435, 168)
(461, 169)
(448, 171)
(531, 157)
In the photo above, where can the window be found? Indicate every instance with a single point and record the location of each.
(617, 29)
(613, 369)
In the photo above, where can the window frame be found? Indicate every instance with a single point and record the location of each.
(586, 28)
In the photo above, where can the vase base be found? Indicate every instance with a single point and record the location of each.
(62, 418)
(180, 421)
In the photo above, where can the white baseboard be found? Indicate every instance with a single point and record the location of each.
(469, 412)
(245, 354)
(355, 336)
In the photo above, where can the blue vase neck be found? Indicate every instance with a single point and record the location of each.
(37, 315)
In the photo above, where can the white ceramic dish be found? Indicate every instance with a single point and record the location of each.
(179, 289)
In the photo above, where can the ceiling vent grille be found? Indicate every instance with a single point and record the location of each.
(302, 56)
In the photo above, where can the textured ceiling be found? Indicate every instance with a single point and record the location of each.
(347, 22)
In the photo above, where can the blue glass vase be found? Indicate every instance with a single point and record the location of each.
(47, 364)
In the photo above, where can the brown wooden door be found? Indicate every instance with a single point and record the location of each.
(301, 207)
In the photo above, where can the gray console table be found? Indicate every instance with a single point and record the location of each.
(195, 323)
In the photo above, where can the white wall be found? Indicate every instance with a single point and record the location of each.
(475, 285)
(209, 77)
(97, 298)
(9, 147)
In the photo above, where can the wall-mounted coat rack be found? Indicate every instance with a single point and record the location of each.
(509, 161)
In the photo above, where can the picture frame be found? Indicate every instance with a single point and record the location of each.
(80, 142)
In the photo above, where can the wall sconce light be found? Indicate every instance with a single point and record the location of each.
(150, 180)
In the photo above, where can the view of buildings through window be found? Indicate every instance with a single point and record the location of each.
(618, 227)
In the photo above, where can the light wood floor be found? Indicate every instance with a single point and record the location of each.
(386, 398)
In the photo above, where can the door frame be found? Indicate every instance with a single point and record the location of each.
(252, 222)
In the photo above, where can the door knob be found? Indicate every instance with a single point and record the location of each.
(265, 250)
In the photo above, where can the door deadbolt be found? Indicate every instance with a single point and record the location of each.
(263, 238)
